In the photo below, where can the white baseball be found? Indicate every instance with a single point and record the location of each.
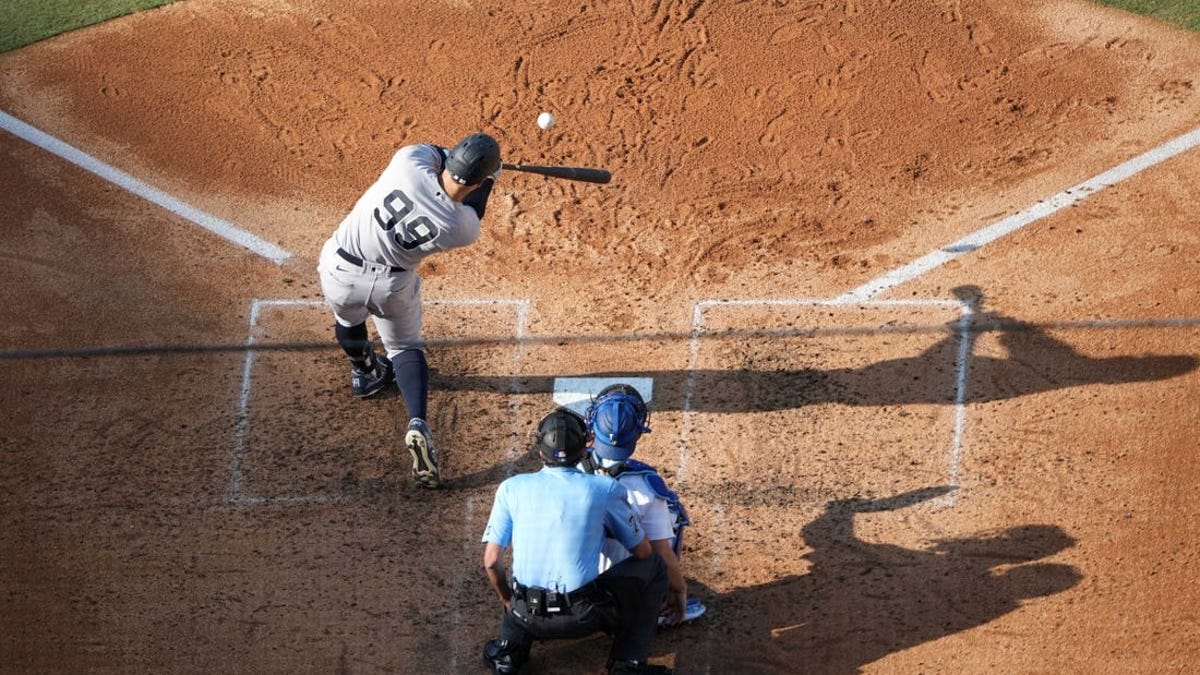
(545, 120)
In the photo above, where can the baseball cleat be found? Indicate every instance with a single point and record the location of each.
(420, 445)
(366, 383)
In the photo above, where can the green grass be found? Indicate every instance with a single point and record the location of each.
(1183, 13)
(26, 21)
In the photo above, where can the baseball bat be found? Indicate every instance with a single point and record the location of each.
(581, 173)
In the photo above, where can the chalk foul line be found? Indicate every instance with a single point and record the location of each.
(221, 228)
(1032, 214)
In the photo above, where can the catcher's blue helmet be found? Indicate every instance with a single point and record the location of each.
(618, 418)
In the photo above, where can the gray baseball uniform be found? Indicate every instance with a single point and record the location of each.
(426, 200)
(369, 264)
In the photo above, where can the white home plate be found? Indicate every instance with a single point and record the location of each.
(577, 393)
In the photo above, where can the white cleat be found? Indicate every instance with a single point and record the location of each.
(420, 446)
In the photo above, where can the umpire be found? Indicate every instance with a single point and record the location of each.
(555, 521)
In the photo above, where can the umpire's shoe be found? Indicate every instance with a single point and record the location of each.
(504, 657)
(365, 382)
(420, 446)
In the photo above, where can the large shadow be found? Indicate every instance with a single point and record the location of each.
(1035, 362)
(861, 601)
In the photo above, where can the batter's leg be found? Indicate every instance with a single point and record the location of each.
(354, 342)
(399, 322)
(412, 377)
(369, 373)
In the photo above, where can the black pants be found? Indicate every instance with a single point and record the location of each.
(632, 593)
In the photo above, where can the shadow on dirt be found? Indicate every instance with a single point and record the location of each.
(1036, 362)
(861, 601)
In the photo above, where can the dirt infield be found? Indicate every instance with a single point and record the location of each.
(929, 394)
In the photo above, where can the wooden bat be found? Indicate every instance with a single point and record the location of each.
(581, 173)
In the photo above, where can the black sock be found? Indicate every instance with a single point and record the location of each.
(356, 345)
(412, 376)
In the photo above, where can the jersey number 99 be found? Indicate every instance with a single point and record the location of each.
(411, 233)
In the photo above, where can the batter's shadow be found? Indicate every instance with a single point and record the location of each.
(1035, 362)
(861, 601)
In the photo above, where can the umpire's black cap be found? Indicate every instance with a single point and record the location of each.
(561, 437)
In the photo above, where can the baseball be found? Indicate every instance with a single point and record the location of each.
(545, 120)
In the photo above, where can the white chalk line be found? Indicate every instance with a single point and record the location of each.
(889, 280)
(461, 582)
(236, 494)
(470, 535)
(719, 524)
(217, 226)
(698, 329)
(514, 403)
(967, 337)
(961, 366)
(1032, 214)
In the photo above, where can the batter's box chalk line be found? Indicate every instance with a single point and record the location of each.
(238, 494)
(961, 366)
(575, 392)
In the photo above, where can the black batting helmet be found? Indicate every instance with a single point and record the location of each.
(474, 158)
(561, 437)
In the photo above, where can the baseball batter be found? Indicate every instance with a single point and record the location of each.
(428, 199)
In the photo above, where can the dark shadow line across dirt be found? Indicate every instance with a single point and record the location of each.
(975, 327)
(1036, 362)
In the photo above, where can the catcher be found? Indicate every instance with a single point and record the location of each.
(617, 418)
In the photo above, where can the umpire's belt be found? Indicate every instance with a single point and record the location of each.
(353, 259)
(545, 602)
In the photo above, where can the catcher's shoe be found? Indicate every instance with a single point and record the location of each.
(370, 381)
(420, 445)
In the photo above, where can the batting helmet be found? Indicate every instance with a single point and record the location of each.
(561, 438)
(617, 418)
(474, 158)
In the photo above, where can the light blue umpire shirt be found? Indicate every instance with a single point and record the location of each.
(555, 522)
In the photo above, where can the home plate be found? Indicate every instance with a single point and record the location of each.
(577, 393)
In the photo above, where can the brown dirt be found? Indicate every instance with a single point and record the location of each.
(163, 513)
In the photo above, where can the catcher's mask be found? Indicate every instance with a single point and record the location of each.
(561, 438)
(474, 158)
(617, 418)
